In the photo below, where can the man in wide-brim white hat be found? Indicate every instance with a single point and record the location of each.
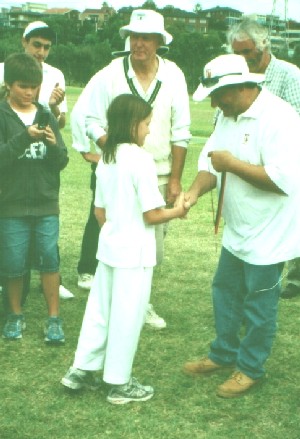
(162, 84)
(256, 145)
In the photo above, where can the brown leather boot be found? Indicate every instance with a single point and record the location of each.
(202, 366)
(236, 385)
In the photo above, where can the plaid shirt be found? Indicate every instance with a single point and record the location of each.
(283, 80)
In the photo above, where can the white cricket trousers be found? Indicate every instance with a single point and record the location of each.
(113, 319)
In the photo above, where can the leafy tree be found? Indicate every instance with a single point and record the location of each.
(191, 51)
(149, 4)
(296, 56)
(10, 42)
(197, 8)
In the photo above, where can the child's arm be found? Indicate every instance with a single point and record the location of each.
(161, 215)
(100, 215)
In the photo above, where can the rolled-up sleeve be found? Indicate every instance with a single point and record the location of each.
(181, 120)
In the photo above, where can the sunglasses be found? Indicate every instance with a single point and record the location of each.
(210, 82)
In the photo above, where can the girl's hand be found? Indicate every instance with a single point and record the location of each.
(182, 205)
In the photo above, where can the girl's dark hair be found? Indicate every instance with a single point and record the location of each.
(22, 67)
(124, 114)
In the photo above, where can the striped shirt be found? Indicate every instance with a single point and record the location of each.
(283, 80)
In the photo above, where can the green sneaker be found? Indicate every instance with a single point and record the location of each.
(53, 331)
(77, 379)
(14, 326)
(132, 391)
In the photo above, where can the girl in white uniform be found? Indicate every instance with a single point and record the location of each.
(127, 205)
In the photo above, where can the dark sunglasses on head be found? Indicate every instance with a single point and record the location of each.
(210, 82)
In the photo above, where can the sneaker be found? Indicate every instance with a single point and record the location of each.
(290, 291)
(64, 293)
(153, 320)
(85, 281)
(236, 385)
(132, 391)
(202, 366)
(14, 326)
(76, 379)
(53, 331)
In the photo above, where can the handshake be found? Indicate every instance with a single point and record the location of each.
(182, 204)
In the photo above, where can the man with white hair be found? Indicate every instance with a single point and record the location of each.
(256, 145)
(251, 40)
(160, 82)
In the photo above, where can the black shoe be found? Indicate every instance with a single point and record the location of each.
(290, 291)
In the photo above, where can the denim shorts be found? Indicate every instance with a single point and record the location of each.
(29, 242)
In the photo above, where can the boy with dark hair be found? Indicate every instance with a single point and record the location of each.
(31, 158)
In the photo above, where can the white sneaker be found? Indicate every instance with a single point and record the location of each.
(85, 281)
(153, 319)
(64, 293)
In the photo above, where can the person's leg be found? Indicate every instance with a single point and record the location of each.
(90, 352)
(228, 290)
(130, 295)
(260, 311)
(152, 318)
(14, 294)
(88, 263)
(292, 288)
(260, 314)
(46, 230)
(50, 285)
(14, 243)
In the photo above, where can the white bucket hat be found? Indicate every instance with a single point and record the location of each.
(225, 70)
(144, 21)
(162, 50)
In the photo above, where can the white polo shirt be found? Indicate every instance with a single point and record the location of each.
(261, 227)
(125, 190)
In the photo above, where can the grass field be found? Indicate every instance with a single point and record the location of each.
(33, 404)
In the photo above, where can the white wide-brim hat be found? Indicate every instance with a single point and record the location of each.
(225, 70)
(144, 21)
(162, 50)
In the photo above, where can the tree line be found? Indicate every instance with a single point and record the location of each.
(80, 51)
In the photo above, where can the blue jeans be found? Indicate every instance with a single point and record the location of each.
(21, 236)
(244, 294)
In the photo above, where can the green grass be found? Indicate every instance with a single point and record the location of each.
(34, 405)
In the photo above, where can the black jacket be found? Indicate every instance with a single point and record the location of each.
(29, 171)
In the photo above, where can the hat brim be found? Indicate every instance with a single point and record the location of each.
(140, 29)
(161, 51)
(203, 92)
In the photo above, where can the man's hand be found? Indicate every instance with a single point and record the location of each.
(190, 198)
(91, 157)
(57, 96)
(222, 161)
(173, 189)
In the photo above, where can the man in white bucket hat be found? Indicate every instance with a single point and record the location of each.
(161, 83)
(251, 40)
(256, 145)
